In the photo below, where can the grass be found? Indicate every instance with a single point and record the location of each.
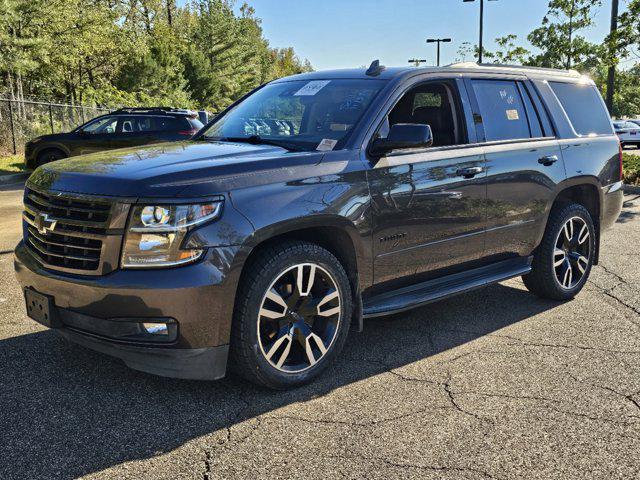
(11, 164)
(631, 168)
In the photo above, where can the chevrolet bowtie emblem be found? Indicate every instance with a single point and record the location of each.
(43, 223)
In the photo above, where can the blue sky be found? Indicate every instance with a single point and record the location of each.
(351, 33)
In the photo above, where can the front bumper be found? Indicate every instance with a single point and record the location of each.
(198, 297)
(208, 363)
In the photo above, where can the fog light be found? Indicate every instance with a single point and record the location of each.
(156, 328)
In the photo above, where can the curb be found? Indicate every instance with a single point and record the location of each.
(633, 189)
(16, 177)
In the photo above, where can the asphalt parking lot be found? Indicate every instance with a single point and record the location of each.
(491, 384)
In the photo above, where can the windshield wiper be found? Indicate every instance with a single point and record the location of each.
(258, 140)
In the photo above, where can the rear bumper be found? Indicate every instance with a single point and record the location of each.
(98, 312)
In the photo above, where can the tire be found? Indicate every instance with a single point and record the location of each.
(49, 155)
(563, 260)
(282, 313)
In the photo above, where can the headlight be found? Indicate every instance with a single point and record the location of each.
(156, 234)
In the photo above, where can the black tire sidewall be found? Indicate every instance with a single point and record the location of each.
(267, 374)
(559, 220)
(42, 156)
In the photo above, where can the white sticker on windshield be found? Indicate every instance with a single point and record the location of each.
(326, 145)
(312, 88)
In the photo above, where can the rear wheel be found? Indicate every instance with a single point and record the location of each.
(49, 155)
(292, 315)
(563, 261)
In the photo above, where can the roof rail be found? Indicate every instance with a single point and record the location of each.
(571, 72)
(153, 109)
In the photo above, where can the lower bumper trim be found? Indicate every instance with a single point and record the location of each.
(208, 363)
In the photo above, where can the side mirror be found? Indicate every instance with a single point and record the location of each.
(402, 136)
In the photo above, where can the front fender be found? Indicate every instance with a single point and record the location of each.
(338, 201)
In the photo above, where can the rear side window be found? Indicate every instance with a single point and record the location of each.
(502, 109)
(584, 107)
(171, 124)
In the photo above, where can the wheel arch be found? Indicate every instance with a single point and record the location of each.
(587, 192)
(51, 146)
(335, 234)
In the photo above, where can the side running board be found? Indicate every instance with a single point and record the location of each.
(413, 296)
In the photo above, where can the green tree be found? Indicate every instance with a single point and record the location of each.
(626, 96)
(559, 37)
(136, 52)
(509, 52)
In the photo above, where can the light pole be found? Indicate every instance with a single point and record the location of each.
(438, 41)
(611, 74)
(416, 61)
(481, 26)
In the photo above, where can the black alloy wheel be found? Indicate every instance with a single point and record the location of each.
(292, 315)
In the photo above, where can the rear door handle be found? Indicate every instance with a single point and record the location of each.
(548, 160)
(469, 172)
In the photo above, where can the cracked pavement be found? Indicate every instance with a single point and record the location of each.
(492, 384)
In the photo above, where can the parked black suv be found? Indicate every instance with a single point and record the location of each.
(314, 202)
(127, 127)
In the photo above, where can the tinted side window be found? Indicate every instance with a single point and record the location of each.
(135, 124)
(101, 126)
(434, 104)
(584, 108)
(170, 124)
(503, 113)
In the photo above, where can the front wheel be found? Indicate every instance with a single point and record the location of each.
(49, 155)
(562, 263)
(292, 315)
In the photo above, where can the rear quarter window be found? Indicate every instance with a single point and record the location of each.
(584, 107)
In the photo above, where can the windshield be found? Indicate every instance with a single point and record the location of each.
(299, 115)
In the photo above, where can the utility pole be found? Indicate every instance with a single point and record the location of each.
(438, 41)
(571, 14)
(611, 74)
(480, 47)
(416, 61)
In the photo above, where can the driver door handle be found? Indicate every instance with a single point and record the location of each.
(469, 172)
(548, 160)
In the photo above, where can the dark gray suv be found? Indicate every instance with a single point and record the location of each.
(315, 202)
(127, 127)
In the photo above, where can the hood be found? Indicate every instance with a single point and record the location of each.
(51, 137)
(192, 168)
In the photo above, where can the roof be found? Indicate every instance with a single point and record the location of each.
(389, 73)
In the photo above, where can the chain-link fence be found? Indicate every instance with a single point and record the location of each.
(20, 121)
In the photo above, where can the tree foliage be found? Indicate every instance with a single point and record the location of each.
(559, 42)
(205, 54)
(559, 37)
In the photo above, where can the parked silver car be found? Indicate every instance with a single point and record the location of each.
(628, 132)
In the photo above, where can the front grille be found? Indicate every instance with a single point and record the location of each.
(66, 231)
